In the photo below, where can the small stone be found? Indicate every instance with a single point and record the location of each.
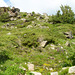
(72, 69)
(11, 19)
(43, 43)
(67, 44)
(12, 27)
(36, 73)
(29, 26)
(52, 46)
(24, 20)
(30, 67)
(64, 68)
(7, 24)
(9, 33)
(51, 69)
(54, 73)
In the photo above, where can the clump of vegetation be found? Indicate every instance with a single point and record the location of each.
(4, 17)
(66, 15)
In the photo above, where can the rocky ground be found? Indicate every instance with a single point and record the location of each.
(31, 44)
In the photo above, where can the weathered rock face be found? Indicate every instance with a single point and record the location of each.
(54, 73)
(72, 69)
(68, 35)
(36, 73)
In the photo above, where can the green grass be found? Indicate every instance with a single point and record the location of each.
(21, 46)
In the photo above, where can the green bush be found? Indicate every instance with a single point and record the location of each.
(30, 39)
(4, 17)
(67, 15)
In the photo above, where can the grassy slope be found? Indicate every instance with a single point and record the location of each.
(16, 49)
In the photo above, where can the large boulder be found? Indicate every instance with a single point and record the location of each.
(72, 69)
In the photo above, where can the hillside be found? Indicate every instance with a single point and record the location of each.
(33, 39)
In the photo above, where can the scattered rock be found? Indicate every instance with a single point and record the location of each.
(11, 19)
(42, 27)
(54, 73)
(51, 69)
(67, 44)
(12, 23)
(52, 46)
(68, 35)
(22, 68)
(30, 67)
(39, 18)
(18, 16)
(46, 17)
(64, 68)
(12, 27)
(40, 39)
(29, 26)
(43, 44)
(14, 12)
(3, 26)
(9, 33)
(7, 24)
(73, 43)
(72, 69)
(36, 73)
(29, 14)
(24, 20)
(51, 22)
